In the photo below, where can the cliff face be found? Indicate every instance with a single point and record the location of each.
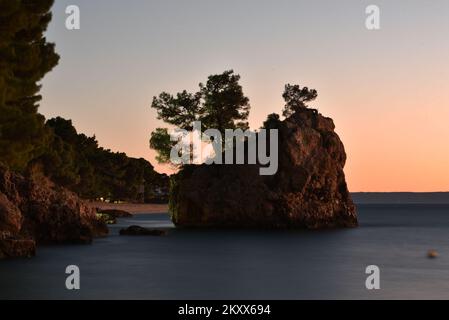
(34, 210)
(308, 191)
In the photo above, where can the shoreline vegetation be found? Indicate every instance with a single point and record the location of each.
(46, 166)
(30, 144)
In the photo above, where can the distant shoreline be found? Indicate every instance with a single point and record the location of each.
(133, 208)
(358, 198)
(400, 197)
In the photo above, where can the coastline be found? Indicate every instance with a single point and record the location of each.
(358, 198)
(133, 208)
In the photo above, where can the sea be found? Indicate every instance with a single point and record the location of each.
(394, 237)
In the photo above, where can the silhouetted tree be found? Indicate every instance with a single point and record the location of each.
(179, 111)
(70, 159)
(25, 57)
(160, 141)
(296, 98)
(219, 104)
(225, 105)
(272, 122)
(78, 163)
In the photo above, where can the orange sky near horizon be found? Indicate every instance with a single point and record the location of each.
(400, 150)
(387, 90)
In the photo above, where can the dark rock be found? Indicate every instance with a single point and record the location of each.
(11, 248)
(106, 218)
(308, 191)
(10, 216)
(115, 213)
(109, 216)
(140, 231)
(33, 210)
(11, 220)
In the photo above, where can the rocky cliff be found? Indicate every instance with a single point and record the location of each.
(33, 210)
(308, 191)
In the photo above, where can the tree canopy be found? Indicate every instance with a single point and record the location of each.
(225, 106)
(180, 110)
(25, 57)
(77, 162)
(272, 122)
(219, 104)
(296, 98)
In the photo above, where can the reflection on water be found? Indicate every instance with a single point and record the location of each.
(218, 264)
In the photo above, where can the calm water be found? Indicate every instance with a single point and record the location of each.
(249, 264)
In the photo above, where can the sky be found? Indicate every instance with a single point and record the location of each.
(387, 90)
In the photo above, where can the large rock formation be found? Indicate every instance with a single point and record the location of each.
(308, 191)
(33, 210)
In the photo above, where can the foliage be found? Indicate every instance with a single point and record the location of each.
(272, 122)
(27, 141)
(219, 104)
(25, 57)
(179, 111)
(225, 105)
(93, 172)
(296, 98)
(160, 140)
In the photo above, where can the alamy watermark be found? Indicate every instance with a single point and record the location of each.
(72, 282)
(209, 147)
(372, 21)
(73, 20)
(373, 280)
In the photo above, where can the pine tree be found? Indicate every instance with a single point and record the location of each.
(296, 98)
(219, 104)
(25, 57)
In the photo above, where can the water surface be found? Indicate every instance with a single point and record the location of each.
(211, 264)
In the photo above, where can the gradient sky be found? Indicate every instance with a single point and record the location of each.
(387, 90)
